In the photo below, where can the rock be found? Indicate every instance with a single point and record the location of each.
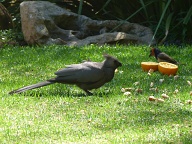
(5, 18)
(110, 38)
(46, 23)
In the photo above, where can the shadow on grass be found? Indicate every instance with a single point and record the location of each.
(63, 92)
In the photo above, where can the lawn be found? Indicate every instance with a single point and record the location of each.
(64, 114)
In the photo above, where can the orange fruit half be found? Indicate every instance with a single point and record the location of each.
(146, 66)
(167, 68)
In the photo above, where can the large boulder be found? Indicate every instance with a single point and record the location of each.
(46, 23)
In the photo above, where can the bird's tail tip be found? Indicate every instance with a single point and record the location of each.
(30, 87)
(12, 92)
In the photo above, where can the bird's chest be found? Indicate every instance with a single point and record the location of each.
(109, 74)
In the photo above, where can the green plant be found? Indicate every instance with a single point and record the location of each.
(6, 35)
(170, 20)
(10, 36)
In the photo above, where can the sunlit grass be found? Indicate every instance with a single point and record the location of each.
(63, 114)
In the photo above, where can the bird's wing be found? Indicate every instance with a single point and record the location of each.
(87, 72)
(164, 57)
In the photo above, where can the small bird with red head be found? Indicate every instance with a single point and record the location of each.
(161, 56)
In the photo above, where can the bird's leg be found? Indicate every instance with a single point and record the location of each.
(88, 92)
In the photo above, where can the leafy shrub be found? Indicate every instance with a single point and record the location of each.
(11, 36)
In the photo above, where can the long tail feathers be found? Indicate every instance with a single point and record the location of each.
(41, 84)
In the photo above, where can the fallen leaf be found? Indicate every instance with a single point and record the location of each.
(160, 100)
(139, 90)
(189, 102)
(161, 80)
(127, 89)
(189, 83)
(151, 84)
(176, 77)
(89, 120)
(122, 89)
(136, 100)
(149, 73)
(127, 93)
(152, 98)
(165, 96)
(176, 91)
(120, 72)
(135, 83)
(154, 89)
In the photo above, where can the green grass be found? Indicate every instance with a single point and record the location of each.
(63, 114)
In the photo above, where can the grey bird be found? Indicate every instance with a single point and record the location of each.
(87, 75)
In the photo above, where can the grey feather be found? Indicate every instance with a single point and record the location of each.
(45, 83)
(87, 75)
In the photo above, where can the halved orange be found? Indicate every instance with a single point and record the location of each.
(146, 66)
(167, 68)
